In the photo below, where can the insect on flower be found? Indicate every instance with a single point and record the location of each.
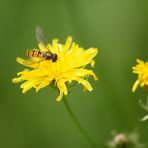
(43, 55)
(56, 63)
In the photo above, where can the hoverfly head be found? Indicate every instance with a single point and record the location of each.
(54, 57)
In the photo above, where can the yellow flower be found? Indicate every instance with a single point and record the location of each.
(141, 69)
(70, 66)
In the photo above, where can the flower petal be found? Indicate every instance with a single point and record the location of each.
(42, 47)
(85, 83)
(135, 86)
(28, 63)
(62, 88)
(27, 85)
(67, 45)
(43, 83)
(81, 72)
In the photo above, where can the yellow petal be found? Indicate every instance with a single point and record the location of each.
(89, 55)
(27, 85)
(59, 98)
(83, 58)
(42, 84)
(83, 73)
(92, 63)
(140, 61)
(86, 84)
(62, 88)
(17, 80)
(55, 46)
(28, 63)
(51, 48)
(67, 44)
(42, 47)
(135, 86)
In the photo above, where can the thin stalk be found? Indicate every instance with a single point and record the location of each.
(79, 126)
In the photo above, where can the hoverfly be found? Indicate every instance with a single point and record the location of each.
(45, 55)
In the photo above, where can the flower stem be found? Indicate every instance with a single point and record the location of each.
(80, 128)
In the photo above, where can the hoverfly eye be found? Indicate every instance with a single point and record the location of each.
(54, 57)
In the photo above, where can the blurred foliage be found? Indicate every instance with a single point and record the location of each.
(118, 28)
(144, 106)
(126, 140)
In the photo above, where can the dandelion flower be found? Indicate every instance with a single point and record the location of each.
(141, 69)
(69, 66)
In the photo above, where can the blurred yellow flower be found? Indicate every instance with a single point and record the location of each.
(70, 66)
(141, 69)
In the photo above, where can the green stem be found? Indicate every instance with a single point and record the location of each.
(80, 128)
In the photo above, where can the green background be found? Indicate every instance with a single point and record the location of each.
(119, 28)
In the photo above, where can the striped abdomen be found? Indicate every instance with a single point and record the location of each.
(46, 55)
(34, 53)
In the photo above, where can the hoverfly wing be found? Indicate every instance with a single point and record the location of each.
(40, 37)
(42, 41)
